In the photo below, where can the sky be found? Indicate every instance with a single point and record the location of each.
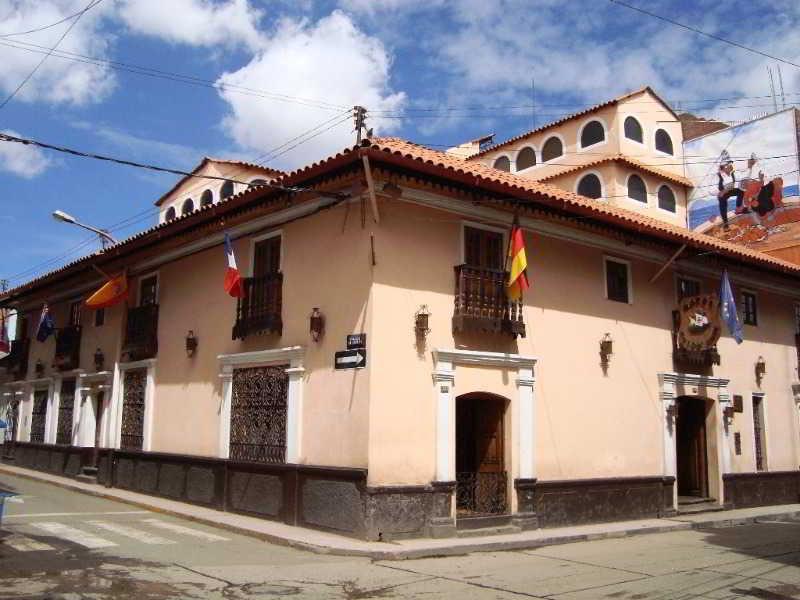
(239, 78)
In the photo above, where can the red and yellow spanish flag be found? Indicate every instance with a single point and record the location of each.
(112, 292)
(517, 264)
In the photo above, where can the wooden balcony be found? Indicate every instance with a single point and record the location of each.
(259, 310)
(16, 363)
(481, 303)
(68, 348)
(141, 333)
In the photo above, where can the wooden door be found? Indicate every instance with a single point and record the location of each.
(690, 427)
(483, 249)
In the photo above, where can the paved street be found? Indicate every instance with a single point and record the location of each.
(56, 543)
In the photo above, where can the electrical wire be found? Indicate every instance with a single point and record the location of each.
(266, 157)
(292, 147)
(51, 25)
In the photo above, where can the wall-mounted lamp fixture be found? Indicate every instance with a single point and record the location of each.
(761, 369)
(191, 343)
(606, 350)
(39, 367)
(99, 360)
(421, 320)
(316, 324)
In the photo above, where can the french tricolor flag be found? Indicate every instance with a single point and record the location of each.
(233, 281)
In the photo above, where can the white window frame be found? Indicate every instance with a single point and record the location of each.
(141, 278)
(599, 176)
(512, 168)
(260, 238)
(474, 225)
(764, 428)
(602, 122)
(535, 153)
(622, 261)
(655, 148)
(658, 202)
(678, 277)
(646, 190)
(643, 143)
(742, 292)
(563, 149)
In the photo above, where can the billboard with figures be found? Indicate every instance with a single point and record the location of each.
(746, 182)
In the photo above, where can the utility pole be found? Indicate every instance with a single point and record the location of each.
(3, 285)
(360, 116)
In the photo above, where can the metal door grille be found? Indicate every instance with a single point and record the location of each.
(258, 414)
(66, 405)
(38, 416)
(481, 493)
(759, 433)
(12, 413)
(134, 385)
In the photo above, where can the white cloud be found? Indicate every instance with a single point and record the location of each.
(21, 160)
(331, 60)
(57, 80)
(195, 22)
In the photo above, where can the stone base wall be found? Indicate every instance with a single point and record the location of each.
(765, 488)
(68, 461)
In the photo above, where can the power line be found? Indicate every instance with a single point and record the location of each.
(49, 53)
(265, 157)
(64, 20)
(705, 33)
(292, 147)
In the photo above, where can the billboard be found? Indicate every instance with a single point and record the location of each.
(746, 182)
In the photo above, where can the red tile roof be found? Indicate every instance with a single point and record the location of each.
(631, 162)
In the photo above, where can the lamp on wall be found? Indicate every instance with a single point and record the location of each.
(421, 321)
(191, 343)
(39, 367)
(761, 369)
(316, 324)
(99, 360)
(606, 350)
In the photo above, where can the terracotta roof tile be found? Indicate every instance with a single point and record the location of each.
(631, 162)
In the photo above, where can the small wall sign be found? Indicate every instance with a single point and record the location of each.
(356, 340)
(350, 359)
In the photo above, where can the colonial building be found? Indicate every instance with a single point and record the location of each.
(375, 379)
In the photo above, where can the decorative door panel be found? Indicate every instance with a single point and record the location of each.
(38, 416)
(66, 405)
(12, 420)
(258, 414)
(133, 402)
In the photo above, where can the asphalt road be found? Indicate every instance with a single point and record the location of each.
(59, 544)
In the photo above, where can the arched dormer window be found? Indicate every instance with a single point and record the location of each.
(526, 158)
(590, 186)
(187, 207)
(552, 149)
(207, 198)
(637, 189)
(593, 133)
(502, 163)
(664, 142)
(170, 214)
(226, 191)
(666, 199)
(633, 130)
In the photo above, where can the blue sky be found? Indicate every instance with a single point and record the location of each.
(431, 71)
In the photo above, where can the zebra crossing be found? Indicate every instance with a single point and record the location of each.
(44, 536)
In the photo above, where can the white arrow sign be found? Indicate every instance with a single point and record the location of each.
(356, 360)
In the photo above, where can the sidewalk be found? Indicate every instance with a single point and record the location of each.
(328, 543)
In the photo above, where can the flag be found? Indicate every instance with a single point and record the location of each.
(517, 264)
(233, 281)
(727, 308)
(110, 293)
(46, 325)
(5, 345)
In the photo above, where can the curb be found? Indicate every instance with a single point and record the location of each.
(396, 553)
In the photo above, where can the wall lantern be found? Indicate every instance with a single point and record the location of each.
(761, 369)
(39, 367)
(191, 343)
(606, 350)
(421, 327)
(99, 360)
(316, 324)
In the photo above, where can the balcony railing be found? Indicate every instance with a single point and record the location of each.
(482, 304)
(141, 333)
(259, 310)
(16, 363)
(68, 348)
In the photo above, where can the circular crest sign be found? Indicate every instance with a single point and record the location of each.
(699, 328)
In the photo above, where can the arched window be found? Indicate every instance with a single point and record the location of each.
(170, 214)
(637, 189)
(526, 158)
(188, 206)
(590, 186)
(207, 198)
(666, 198)
(503, 164)
(227, 190)
(633, 130)
(256, 182)
(552, 149)
(664, 142)
(592, 133)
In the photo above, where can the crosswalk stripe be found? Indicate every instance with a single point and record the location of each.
(185, 530)
(136, 534)
(73, 535)
(20, 543)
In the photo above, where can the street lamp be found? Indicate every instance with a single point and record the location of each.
(60, 215)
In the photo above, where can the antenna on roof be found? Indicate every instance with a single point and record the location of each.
(3, 285)
(772, 89)
(780, 84)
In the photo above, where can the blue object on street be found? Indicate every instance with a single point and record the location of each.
(3, 496)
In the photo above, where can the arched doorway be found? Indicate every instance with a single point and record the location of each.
(691, 442)
(481, 477)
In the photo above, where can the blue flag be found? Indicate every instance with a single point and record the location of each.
(728, 308)
(46, 325)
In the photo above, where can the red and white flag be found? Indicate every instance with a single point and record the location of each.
(233, 281)
(5, 345)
